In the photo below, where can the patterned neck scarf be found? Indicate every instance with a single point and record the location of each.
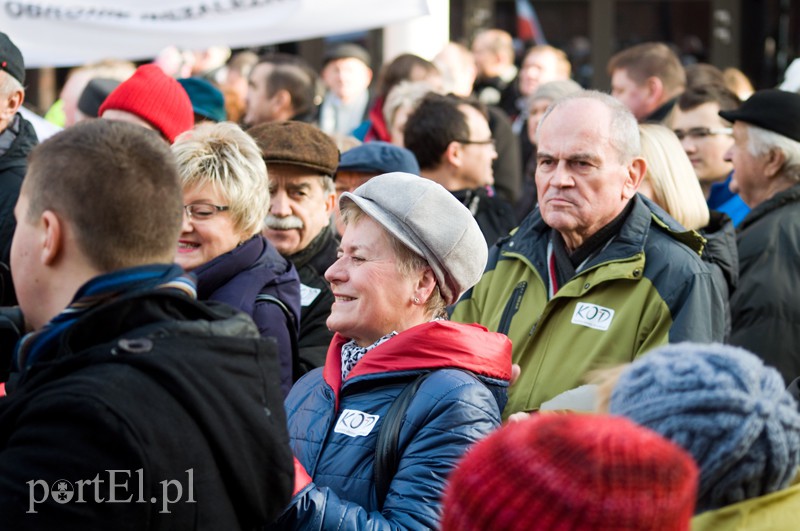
(100, 290)
(352, 353)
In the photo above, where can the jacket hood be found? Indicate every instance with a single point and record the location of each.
(211, 360)
(720, 248)
(429, 346)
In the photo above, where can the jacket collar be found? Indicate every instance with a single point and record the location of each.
(790, 195)
(469, 346)
(320, 253)
(23, 139)
(218, 271)
(531, 238)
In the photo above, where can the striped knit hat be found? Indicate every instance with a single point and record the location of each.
(732, 413)
(572, 472)
(156, 98)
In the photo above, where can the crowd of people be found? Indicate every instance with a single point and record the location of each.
(460, 294)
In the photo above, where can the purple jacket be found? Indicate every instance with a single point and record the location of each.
(251, 269)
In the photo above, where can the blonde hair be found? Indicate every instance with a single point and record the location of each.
(228, 159)
(672, 177)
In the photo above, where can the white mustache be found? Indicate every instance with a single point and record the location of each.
(287, 223)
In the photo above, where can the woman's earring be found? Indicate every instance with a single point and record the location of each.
(416, 300)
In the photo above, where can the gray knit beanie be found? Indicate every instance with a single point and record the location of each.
(723, 405)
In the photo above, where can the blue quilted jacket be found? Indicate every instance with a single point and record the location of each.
(333, 425)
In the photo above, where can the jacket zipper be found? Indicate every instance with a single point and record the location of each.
(512, 307)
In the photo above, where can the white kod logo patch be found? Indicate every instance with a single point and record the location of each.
(308, 294)
(355, 423)
(593, 316)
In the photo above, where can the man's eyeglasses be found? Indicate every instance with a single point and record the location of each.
(476, 142)
(203, 211)
(702, 132)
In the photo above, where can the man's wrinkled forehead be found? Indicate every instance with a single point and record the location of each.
(578, 115)
(296, 180)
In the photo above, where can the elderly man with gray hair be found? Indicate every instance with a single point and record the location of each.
(597, 275)
(766, 173)
(17, 139)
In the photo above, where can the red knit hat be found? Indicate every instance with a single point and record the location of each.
(572, 472)
(155, 97)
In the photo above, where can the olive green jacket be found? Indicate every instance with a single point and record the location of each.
(647, 287)
(777, 511)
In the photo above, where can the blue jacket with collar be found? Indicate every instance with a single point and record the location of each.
(450, 411)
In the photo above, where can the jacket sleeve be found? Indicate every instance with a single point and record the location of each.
(698, 311)
(448, 414)
(273, 322)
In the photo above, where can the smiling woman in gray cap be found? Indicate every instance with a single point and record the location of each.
(403, 392)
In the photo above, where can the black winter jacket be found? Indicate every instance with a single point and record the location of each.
(765, 311)
(722, 258)
(13, 164)
(316, 298)
(172, 405)
(495, 216)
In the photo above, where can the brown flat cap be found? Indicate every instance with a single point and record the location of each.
(298, 144)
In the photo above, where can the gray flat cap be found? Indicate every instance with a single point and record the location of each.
(430, 221)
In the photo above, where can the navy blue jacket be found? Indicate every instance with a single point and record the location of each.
(251, 269)
(450, 411)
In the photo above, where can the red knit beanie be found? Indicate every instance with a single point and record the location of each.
(155, 97)
(572, 472)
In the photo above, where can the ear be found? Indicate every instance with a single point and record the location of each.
(636, 170)
(425, 285)
(774, 160)
(13, 103)
(330, 203)
(655, 90)
(53, 242)
(283, 99)
(453, 155)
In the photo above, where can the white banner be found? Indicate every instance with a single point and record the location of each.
(67, 33)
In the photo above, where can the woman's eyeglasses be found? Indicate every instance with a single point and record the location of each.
(203, 211)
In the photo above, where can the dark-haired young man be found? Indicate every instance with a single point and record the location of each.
(133, 406)
(454, 147)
